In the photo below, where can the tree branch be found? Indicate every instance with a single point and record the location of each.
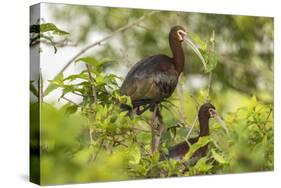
(70, 101)
(93, 88)
(209, 87)
(121, 29)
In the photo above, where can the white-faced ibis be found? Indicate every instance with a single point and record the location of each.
(206, 112)
(155, 78)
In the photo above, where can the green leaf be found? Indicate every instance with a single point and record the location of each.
(106, 61)
(46, 27)
(200, 143)
(211, 59)
(89, 60)
(155, 157)
(83, 156)
(77, 76)
(135, 155)
(52, 27)
(218, 157)
(173, 132)
(71, 109)
(202, 165)
(54, 84)
(50, 88)
(202, 45)
(207, 50)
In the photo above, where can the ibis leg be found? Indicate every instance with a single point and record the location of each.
(153, 130)
(139, 112)
(160, 129)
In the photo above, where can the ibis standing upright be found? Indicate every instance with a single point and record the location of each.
(155, 78)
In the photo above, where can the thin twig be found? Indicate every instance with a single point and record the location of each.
(216, 144)
(95, 157)
(139, 129)
(194, 121)
(181, 104)
(197, 105)
(120, 143)
(74, 92)
(91, 136)
(195, 101)
(121, 29)
(93, 88)
(209, 87)
(143, 27)
(190, 130)
(61, 43)
(70, 101)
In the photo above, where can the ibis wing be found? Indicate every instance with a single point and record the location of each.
(155, 87)
(139, 88)
(152, 78)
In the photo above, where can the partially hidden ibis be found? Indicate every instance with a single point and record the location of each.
(205, 112)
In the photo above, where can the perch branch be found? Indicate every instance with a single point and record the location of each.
(76, 93)
(121, 29)
(93, 88)
(94, 157)
(206, 100)
(70, 101)
(209, 87)
(160, 129)
(190, 130)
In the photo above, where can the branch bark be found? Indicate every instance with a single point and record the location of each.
(70, 101)
(121, 29)
(93, 87)
(209, 87)
(153, 130)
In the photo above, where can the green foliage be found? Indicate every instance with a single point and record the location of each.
(244, 44)
(93, 140)
(45, 32)
(208, 51)
(201, 142)
(46, 27)
(100, 142)
(252, 134)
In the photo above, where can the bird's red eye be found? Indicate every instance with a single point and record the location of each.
(212, 112)
(181, 34)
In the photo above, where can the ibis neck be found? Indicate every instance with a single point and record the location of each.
(204, 125)
(178, 54)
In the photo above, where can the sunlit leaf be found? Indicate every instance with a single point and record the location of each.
(45, 27)
(202, 165)
(218, 157)
(200, 143)
(135, 155)
(89, 60)
(207, 49)
(54, 84)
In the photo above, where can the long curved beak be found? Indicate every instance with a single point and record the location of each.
(195, 48)
(213, 114)
(221, 122)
